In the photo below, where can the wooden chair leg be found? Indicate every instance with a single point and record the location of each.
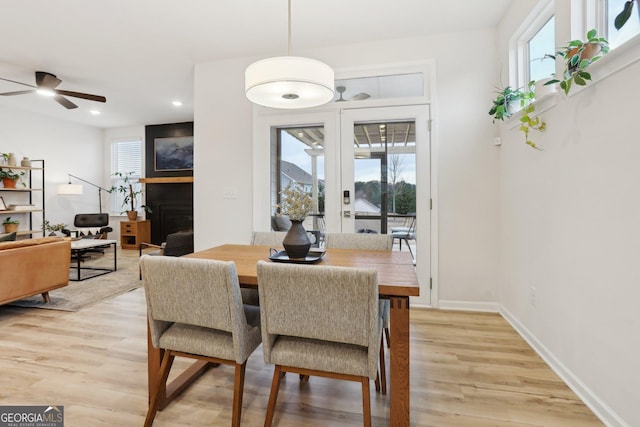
(238, 390)
(386, 334)
(383, 369)
(377, 381)
(165, 367)
(46, 297)
(366, 402)
(273, 396)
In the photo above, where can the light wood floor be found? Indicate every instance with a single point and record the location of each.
(468, 369)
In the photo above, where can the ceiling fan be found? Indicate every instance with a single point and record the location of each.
(46, 83)
(358, 97)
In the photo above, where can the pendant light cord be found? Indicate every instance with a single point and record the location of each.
(289, 40)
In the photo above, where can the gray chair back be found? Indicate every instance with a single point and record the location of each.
(198, 292)
(328, 303)
(363, 241)
(268, 238)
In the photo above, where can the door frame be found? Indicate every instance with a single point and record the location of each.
(330, 116)
(420, 115)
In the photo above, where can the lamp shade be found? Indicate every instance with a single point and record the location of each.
(69, 189)
(289, 82)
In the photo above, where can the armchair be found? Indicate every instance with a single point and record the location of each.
(177, 244)
(99, 222)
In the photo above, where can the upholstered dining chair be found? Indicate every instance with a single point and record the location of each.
(373, 242)
(333, 330)
(195, 310)
(272, 239)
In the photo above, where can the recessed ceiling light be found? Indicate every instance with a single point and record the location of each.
(177, 103)
(94, 112)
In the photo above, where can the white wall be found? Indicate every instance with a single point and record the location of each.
(570, 229)
(468, 172)
(66, 149)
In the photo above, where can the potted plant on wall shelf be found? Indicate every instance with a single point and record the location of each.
(10, 225)
(131, 189)
(10, 178)
(578, 56)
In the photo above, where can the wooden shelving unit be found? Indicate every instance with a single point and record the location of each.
(32, 193)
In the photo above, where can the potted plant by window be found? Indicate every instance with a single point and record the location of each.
(10, 178)
(506, 103)
(503, 107)
(624, 16)
(131, 189)
(578, 56)
(10, 225)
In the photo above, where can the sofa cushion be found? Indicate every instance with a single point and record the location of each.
(9, 237)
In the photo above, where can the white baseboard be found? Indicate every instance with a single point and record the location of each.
(491, 307)
(601, 409)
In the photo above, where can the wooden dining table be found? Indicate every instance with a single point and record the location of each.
(397, 281)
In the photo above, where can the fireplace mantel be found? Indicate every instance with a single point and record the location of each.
(167, 180)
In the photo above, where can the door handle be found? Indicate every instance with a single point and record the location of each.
(346, 214)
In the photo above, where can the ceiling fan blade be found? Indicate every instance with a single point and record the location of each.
(360, 97)
(90, 97)
(20, 83)
(20, 92)
(47, 80)
(65, 102)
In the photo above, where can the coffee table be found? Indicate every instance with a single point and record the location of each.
(80, 247)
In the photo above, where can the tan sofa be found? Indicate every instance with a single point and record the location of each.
(33, 266)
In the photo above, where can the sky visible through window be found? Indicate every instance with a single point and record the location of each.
(293, 151)
(541, 44)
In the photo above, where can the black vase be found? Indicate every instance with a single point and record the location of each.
(296, 242)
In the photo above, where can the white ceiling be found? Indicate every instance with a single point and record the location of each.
(140, 54)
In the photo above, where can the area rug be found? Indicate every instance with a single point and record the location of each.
(79, 295)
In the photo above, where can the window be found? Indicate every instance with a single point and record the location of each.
(533, 47)
(628, 31)
(541, 48)
(126, 156)
(299, 160)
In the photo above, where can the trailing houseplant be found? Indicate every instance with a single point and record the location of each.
(578, 56)
(131, 189)
(505, 103)
(524, 97)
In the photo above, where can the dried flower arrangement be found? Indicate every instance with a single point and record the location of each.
(295, 202)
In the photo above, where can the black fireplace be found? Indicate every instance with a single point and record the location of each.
(171, 202)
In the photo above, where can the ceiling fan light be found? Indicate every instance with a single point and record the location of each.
(46, 92)
(289, 82)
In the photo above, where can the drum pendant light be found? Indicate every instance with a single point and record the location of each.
(289, 82)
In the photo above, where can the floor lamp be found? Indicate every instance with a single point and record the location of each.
(77, 188)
